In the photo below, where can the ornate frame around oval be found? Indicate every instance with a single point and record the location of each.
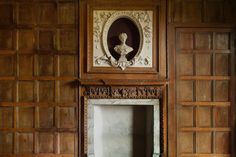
(108, 24)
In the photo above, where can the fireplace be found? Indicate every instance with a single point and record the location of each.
(123, 128)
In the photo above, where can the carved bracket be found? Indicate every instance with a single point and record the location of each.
(145, 92)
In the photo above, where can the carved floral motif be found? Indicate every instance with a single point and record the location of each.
(102, 20)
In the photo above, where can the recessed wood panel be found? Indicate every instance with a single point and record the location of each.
(46, 117)
(67, 91)
(203, 40)
(67, 117)
(203, 142)
(222, 63)
(221, 116)
(66, 13)
(222, 41)
(6, 14)
(203, 64)
(202, 11)
(186, 116)
(192, 11)
(186, 41)
(6, 39)
(25, 13)
(185, 64)
(221, 91)
(185, 91)
(67, 40)
(26, 40)
(67, 65)
(177, 8)
(186, 142)
(204, 115)
(6, 143)
(214, 11)
(25, 143)
(203, 90)
(209, 88)
(26, 117)
(229, 9)
(46, 91)
(7, 65)
(45, 142)
(46, 39)
(26, 65)
(222, 142)
(6, 117)
(45, 65)
(67, 143)
(6, 92)
(38, 69)
(26, 91)
(47, 13)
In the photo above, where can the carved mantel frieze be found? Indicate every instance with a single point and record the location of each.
(127, 92)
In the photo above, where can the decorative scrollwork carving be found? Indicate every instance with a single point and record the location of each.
(103, 19)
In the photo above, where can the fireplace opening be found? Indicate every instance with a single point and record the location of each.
(123, 128)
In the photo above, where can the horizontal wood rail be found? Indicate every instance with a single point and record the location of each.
(205, 103)
(205, 77)
(198, 129)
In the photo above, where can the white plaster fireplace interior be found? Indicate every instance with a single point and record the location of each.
(123, 128)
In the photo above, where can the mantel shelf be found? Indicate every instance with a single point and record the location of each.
(123, 82)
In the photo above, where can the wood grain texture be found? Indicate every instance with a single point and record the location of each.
(203, 100)
(201, 11)
(40, 105)
(38, 69)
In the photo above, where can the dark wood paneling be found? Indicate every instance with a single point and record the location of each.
(203, 94)
(192, 10)
(202, 11)
(38, 93)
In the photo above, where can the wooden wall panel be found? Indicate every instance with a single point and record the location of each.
(6, 12)
(25, 117)
(203, 142)
(203, 64)
(204, 106)
(202, 11)
(38, 93)
(214, 11)
(6, 144)
(46, 117)
(206, 59)
(192, 10)
(9, 61)
(25, 143)
(6, 117)
(45, 142)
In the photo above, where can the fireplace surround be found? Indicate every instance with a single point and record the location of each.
(122, 121)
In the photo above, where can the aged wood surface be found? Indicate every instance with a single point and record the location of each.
(38, 90)
(43, 56)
